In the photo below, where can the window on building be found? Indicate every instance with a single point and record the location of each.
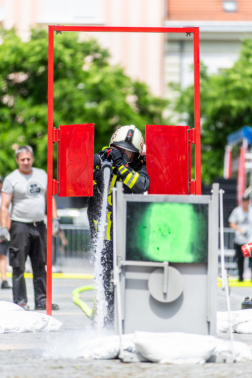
(229, 6)
(71, 12)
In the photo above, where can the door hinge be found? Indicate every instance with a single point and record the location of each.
(55, 188)
(56, 133)
(192, 135)
(192, 187)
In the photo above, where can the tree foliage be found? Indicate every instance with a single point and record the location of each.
(87, 89)
(225, 107)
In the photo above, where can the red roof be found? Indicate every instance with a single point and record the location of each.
(207, 10)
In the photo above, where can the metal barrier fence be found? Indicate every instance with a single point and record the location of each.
(229, 251)
(75, 242)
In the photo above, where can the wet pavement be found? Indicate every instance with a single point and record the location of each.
(27, 355)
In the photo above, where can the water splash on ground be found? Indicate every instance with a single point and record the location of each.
(72, 343)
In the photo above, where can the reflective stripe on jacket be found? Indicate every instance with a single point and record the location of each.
(135, 180)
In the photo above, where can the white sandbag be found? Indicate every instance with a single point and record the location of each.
(9, 306)
(104, 348)
(107, 347)
(241, 351)
(26, 321)
(37, 322)
(222, 322)
(243, 327)
(175, 347)
(237, 317)
(10, 322)
(222, 327)
(53, 325)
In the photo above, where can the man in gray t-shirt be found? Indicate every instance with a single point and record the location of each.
(28, 195)
(25, 189)
(241, 221)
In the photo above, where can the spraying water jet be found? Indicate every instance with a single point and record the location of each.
(101, 304)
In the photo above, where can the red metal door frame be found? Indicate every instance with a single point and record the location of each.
(113, 29)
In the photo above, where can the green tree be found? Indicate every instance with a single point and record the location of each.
(225, 107)
(86, 89)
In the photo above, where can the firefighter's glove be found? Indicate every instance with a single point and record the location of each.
(117, 157)
(55, 226)
(104, 154)
(4, 234)
(98, 177)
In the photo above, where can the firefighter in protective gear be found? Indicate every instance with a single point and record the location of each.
(129, 167)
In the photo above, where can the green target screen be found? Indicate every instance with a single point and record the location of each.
(161, 231)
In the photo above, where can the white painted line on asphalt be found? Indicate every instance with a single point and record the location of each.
(19, 346)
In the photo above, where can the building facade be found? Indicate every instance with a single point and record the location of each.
(223, 24)
(141, 55)
(155, 59)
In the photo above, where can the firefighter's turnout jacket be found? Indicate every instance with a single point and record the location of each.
(135, 180)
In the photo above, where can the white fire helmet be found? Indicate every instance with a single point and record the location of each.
(128, 138)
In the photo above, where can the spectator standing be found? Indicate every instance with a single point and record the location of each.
(241, 221)
(25, 189)
(3, 249)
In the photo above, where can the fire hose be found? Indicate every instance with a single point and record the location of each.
(85, 308)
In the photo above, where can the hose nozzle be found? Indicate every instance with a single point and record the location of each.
(106, 164)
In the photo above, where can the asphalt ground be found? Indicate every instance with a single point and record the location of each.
(27, 355)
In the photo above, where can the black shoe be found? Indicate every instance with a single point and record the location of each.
(5, 285)
(24, 306)
(42, 306)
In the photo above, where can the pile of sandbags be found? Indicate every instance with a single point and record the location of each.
(241, 321)
(172, 348)
(13, 318)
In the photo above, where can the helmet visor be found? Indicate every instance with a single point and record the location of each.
(125, 145)
(127, 155)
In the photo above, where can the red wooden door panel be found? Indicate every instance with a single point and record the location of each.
(76, 156)
(168, 159)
